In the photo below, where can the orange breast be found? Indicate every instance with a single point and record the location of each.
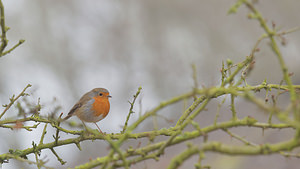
(100, 106)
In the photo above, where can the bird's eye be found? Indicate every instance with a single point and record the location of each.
(100, 94)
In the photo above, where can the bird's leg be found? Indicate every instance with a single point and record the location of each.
(88, 130)
(85, 126)
(99, 128)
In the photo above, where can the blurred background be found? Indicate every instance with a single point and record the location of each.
(74, 46)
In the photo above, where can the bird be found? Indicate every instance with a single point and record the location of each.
(93, 106)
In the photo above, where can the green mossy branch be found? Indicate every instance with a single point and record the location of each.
(173, 132)
(131, 108)
(4, 29)
(13, 99)
(219, 147)
(271, 33)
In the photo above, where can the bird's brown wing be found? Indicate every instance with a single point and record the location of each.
(74, 108)
(71, 112)
(81, 102)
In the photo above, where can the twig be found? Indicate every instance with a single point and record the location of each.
(239, 138)
(56, 137)
(58, 158)
(189, 110)
(115, 147)
(13, 99)
(37, 160)
(131, 108)
(179, 159)
(275, 48)
(240, 66)
(43, 134)
(218, 110)
(3, 29)
(195, 80)
(28, 161)
(232, 105)
(13, 48)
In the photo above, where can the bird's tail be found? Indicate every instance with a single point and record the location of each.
(65, 118)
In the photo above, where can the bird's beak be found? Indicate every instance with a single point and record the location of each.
(109, 96)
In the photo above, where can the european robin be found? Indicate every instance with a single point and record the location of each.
(92, 106)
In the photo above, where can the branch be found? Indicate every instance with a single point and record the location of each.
(131, 108)
(13, 99)
(271, 33)
(3, 29)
